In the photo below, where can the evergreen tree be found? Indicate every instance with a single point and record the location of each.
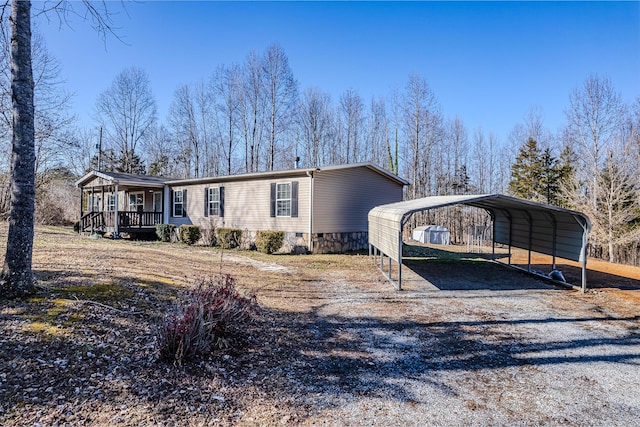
(526, 172)
(538, 175)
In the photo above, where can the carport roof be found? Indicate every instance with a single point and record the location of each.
(521, 223)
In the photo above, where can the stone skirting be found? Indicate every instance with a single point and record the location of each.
(328, 243)
(323, 243)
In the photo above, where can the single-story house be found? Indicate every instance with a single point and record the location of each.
(320, 210)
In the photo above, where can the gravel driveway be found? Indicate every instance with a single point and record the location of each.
(502, 348)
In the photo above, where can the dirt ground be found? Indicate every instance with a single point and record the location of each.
(471, 343)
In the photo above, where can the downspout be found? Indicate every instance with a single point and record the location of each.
(310, 175)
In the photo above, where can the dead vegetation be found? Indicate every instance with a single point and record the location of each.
(333, 344)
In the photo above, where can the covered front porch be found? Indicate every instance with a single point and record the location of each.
(114, 203)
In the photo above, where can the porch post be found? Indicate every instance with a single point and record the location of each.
(165, 205)
(116, 220)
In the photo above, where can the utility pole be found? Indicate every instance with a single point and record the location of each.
(99, 147)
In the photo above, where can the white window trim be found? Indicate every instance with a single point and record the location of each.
(129, 200)
(283, 200)
(213, 203)
(175, 203)
(111, 207)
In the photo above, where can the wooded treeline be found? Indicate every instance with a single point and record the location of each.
(254, 116)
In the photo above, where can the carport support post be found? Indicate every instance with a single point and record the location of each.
(530, 221)
(400, 261)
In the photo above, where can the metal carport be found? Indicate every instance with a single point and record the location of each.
(517, 223)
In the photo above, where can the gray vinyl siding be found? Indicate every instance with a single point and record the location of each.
(246, 206)
(343, 198)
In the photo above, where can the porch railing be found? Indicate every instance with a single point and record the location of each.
(101, 221)
(133, 219)
(93, 221)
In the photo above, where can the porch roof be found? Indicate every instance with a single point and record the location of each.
(122, 178)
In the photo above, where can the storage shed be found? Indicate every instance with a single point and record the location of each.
(434, 234)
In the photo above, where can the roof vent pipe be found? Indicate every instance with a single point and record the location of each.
(296, 162)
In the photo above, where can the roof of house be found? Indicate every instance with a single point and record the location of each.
(124, 179)
(288, 173)
(159, 181)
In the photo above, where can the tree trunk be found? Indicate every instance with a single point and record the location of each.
(17, 277)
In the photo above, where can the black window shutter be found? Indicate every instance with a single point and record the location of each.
(294, 199)
(273, 200)
(206, 202)
(172, 209)
(184, 202)
(221, 209)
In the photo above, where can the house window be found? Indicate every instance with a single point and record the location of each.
(178, 203)
(157, 202)
(111, 202)
(213, 201)
(136, 202)
(283, 199)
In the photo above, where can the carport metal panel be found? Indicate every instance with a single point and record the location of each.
(521, 223)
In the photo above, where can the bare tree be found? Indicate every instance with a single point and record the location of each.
(421, 120)
(252, 110)
(182, 119)
(51, 106)
(615, 215)
(314, 122)
(480, 159)
(594, 117)
(352, 115)
(281, 93)
(162, 153)
(378, 136)
(17, 277)
(458, 141)
(227, 89)
(127, 110)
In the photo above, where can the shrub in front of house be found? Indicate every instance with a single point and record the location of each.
(212, 315)
(189, 234)
(229, 238)
(269, 241)
(165, 232)
(209, 236)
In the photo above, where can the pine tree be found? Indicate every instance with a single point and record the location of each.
(526, 171)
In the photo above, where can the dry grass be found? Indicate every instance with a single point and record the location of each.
(333, 344)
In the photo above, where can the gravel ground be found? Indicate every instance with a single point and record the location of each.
(336, 345)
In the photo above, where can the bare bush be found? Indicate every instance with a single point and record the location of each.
(212, 315)
(57, 201)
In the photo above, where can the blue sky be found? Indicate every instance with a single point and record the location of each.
(487, 62)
